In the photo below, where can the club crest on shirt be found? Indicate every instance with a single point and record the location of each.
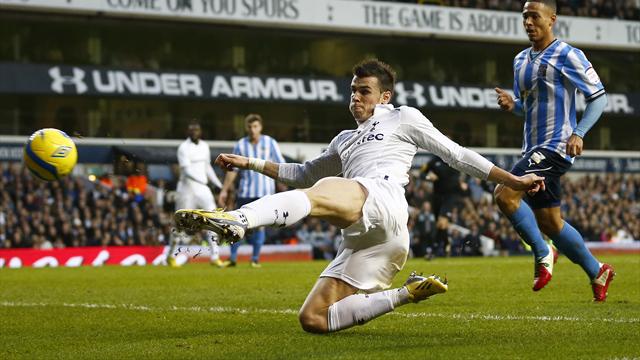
(542, 70)
(536, 158)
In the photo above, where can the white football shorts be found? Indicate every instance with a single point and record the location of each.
(375, 248)
(193, 195)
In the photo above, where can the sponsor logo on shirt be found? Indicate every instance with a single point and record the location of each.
(592, 75)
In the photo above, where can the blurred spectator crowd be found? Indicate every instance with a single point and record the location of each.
(75, 212)
(619, 9)
(113, 211)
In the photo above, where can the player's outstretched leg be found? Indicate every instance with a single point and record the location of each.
(279, 210)
(358, 309)
(336, 200)
(524, 222)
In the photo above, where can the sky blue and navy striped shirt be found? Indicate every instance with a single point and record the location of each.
(252, 183)
(546, 85)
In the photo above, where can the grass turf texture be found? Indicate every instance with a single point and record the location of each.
(199, 311)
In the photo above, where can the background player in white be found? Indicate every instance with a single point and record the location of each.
(194, 158)
(367, 202)
(546, 77)
(252, 185)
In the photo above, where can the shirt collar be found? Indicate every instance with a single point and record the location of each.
(382, 109)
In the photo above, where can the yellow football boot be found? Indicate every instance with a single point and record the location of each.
(421, 287)
(229, 227)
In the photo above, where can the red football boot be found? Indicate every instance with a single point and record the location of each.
(600, 284)
(544, 268)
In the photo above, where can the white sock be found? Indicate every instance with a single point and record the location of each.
(278, 210)
(213, 246)
(359, 308)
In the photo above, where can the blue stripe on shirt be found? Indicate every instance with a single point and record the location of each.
(254, 184)
(528, 105)
(560, 93)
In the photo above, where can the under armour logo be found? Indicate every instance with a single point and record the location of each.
(417, 94)
(59, 80)
(285, 215)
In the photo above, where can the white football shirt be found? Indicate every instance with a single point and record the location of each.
(384, 147)
(195, 160)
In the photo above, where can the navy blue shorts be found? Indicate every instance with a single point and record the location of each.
(545, 163)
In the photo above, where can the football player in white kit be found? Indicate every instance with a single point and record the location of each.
(367, 203)
(194, 158)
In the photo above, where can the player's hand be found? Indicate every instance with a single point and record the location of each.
(229, 161)
(531, 183)
(505, 100)
(574, 145)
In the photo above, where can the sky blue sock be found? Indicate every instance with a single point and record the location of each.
(257, 239)
(234, 251)
(524, 221)
(570, 242)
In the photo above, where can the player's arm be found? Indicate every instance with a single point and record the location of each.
(276, 156)
(592, 113)
(291, 174)
(229, 179)
(579, 71)
(508, 103)
(211, 175)
(230, 162)
(505, 101)
(185, 165)
(418, 130)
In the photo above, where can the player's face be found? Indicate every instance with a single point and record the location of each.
(538, 20)
(254, 129)
(365, 95)
(195, 133)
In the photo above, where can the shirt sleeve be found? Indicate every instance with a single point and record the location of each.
(183, 157)
(516, 86)
(517, 101)
(306, 174)
(416, 129)
(579, 71)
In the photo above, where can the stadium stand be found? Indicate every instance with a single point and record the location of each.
(626, 9)
(79, 212)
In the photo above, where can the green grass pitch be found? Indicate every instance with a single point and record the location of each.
(243, 313)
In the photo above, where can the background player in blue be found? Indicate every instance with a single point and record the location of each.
(252, 185)
(546, 77)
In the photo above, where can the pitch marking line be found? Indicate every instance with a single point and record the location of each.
(233, 310)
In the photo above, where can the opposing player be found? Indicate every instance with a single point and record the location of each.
(368, 203)
(194, 158)
(252, 185)
(546, 78)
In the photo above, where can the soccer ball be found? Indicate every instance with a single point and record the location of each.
(50, 154)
